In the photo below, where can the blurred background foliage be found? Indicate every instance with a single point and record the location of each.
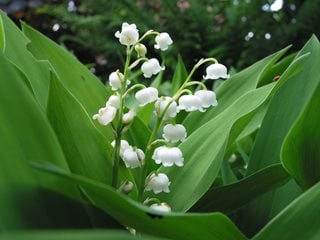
(236, 32)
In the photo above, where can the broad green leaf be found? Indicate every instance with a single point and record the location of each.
(276, 70)
(143, 219)
(300, 153)
(294, 91)
(230, 197)
(26, 135)
(179, 76)
(75, 77)
(204, 151)
(15, 49)
(232, 89)
(254, 123)
(87, 151)
(299, 220)
(73, 235)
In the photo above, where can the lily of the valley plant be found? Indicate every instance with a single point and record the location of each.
(115, 113)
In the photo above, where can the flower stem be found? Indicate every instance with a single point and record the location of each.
(201, 84)
(144, 169)
(118, 134)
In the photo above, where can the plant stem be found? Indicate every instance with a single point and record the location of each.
(118, 135)
(144, 169)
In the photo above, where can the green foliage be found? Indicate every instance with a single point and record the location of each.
(200, 28)
(52, 154)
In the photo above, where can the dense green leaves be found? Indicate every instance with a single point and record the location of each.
(130, 213)
(73, 235)
(75, 77)
(296, 89)
(301, 153)
(230, 197)
(88, 153)
(300, 220)
(14, 47)
(26, 136)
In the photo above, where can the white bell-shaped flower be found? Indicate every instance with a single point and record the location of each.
(163, 40)
(168, 156)
(208, 98)
(158, 183)
(174, 133)
(129, 34)
(113, 101)
(161, 207)
(161, 105)
(216, 71)
(124, 145)
(133, 157)
(146, 95)
(151, 67)
(190, 103)
(129, 116)
(105, 115)
(115, 79)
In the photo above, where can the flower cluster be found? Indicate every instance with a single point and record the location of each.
(166, 108)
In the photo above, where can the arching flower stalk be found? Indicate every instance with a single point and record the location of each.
(166, 108)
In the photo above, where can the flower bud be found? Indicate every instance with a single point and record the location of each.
(208, 98)
(163, 40)
(161, 207)
(174, 133)
(216, 71)
(124, 145)
(129, 116)
(129, 34)
(113, 101)
(168, 156)
(190, 103)
(158, 183)
(161, 105)
(133, 157)
(126, 187)
(151, 67)
(146, 95)
(140, 49)
(105, 115)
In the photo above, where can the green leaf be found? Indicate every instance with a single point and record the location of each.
(87, 151)
(75, 77)
(231, 90)
(230, 197)
(294, 90)
(300, 152)
(73, 235)
(299, 220)
(276, 70)
(204, 150)
(143, 219)
(26, 135)
(14, 47)
(179, 76)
